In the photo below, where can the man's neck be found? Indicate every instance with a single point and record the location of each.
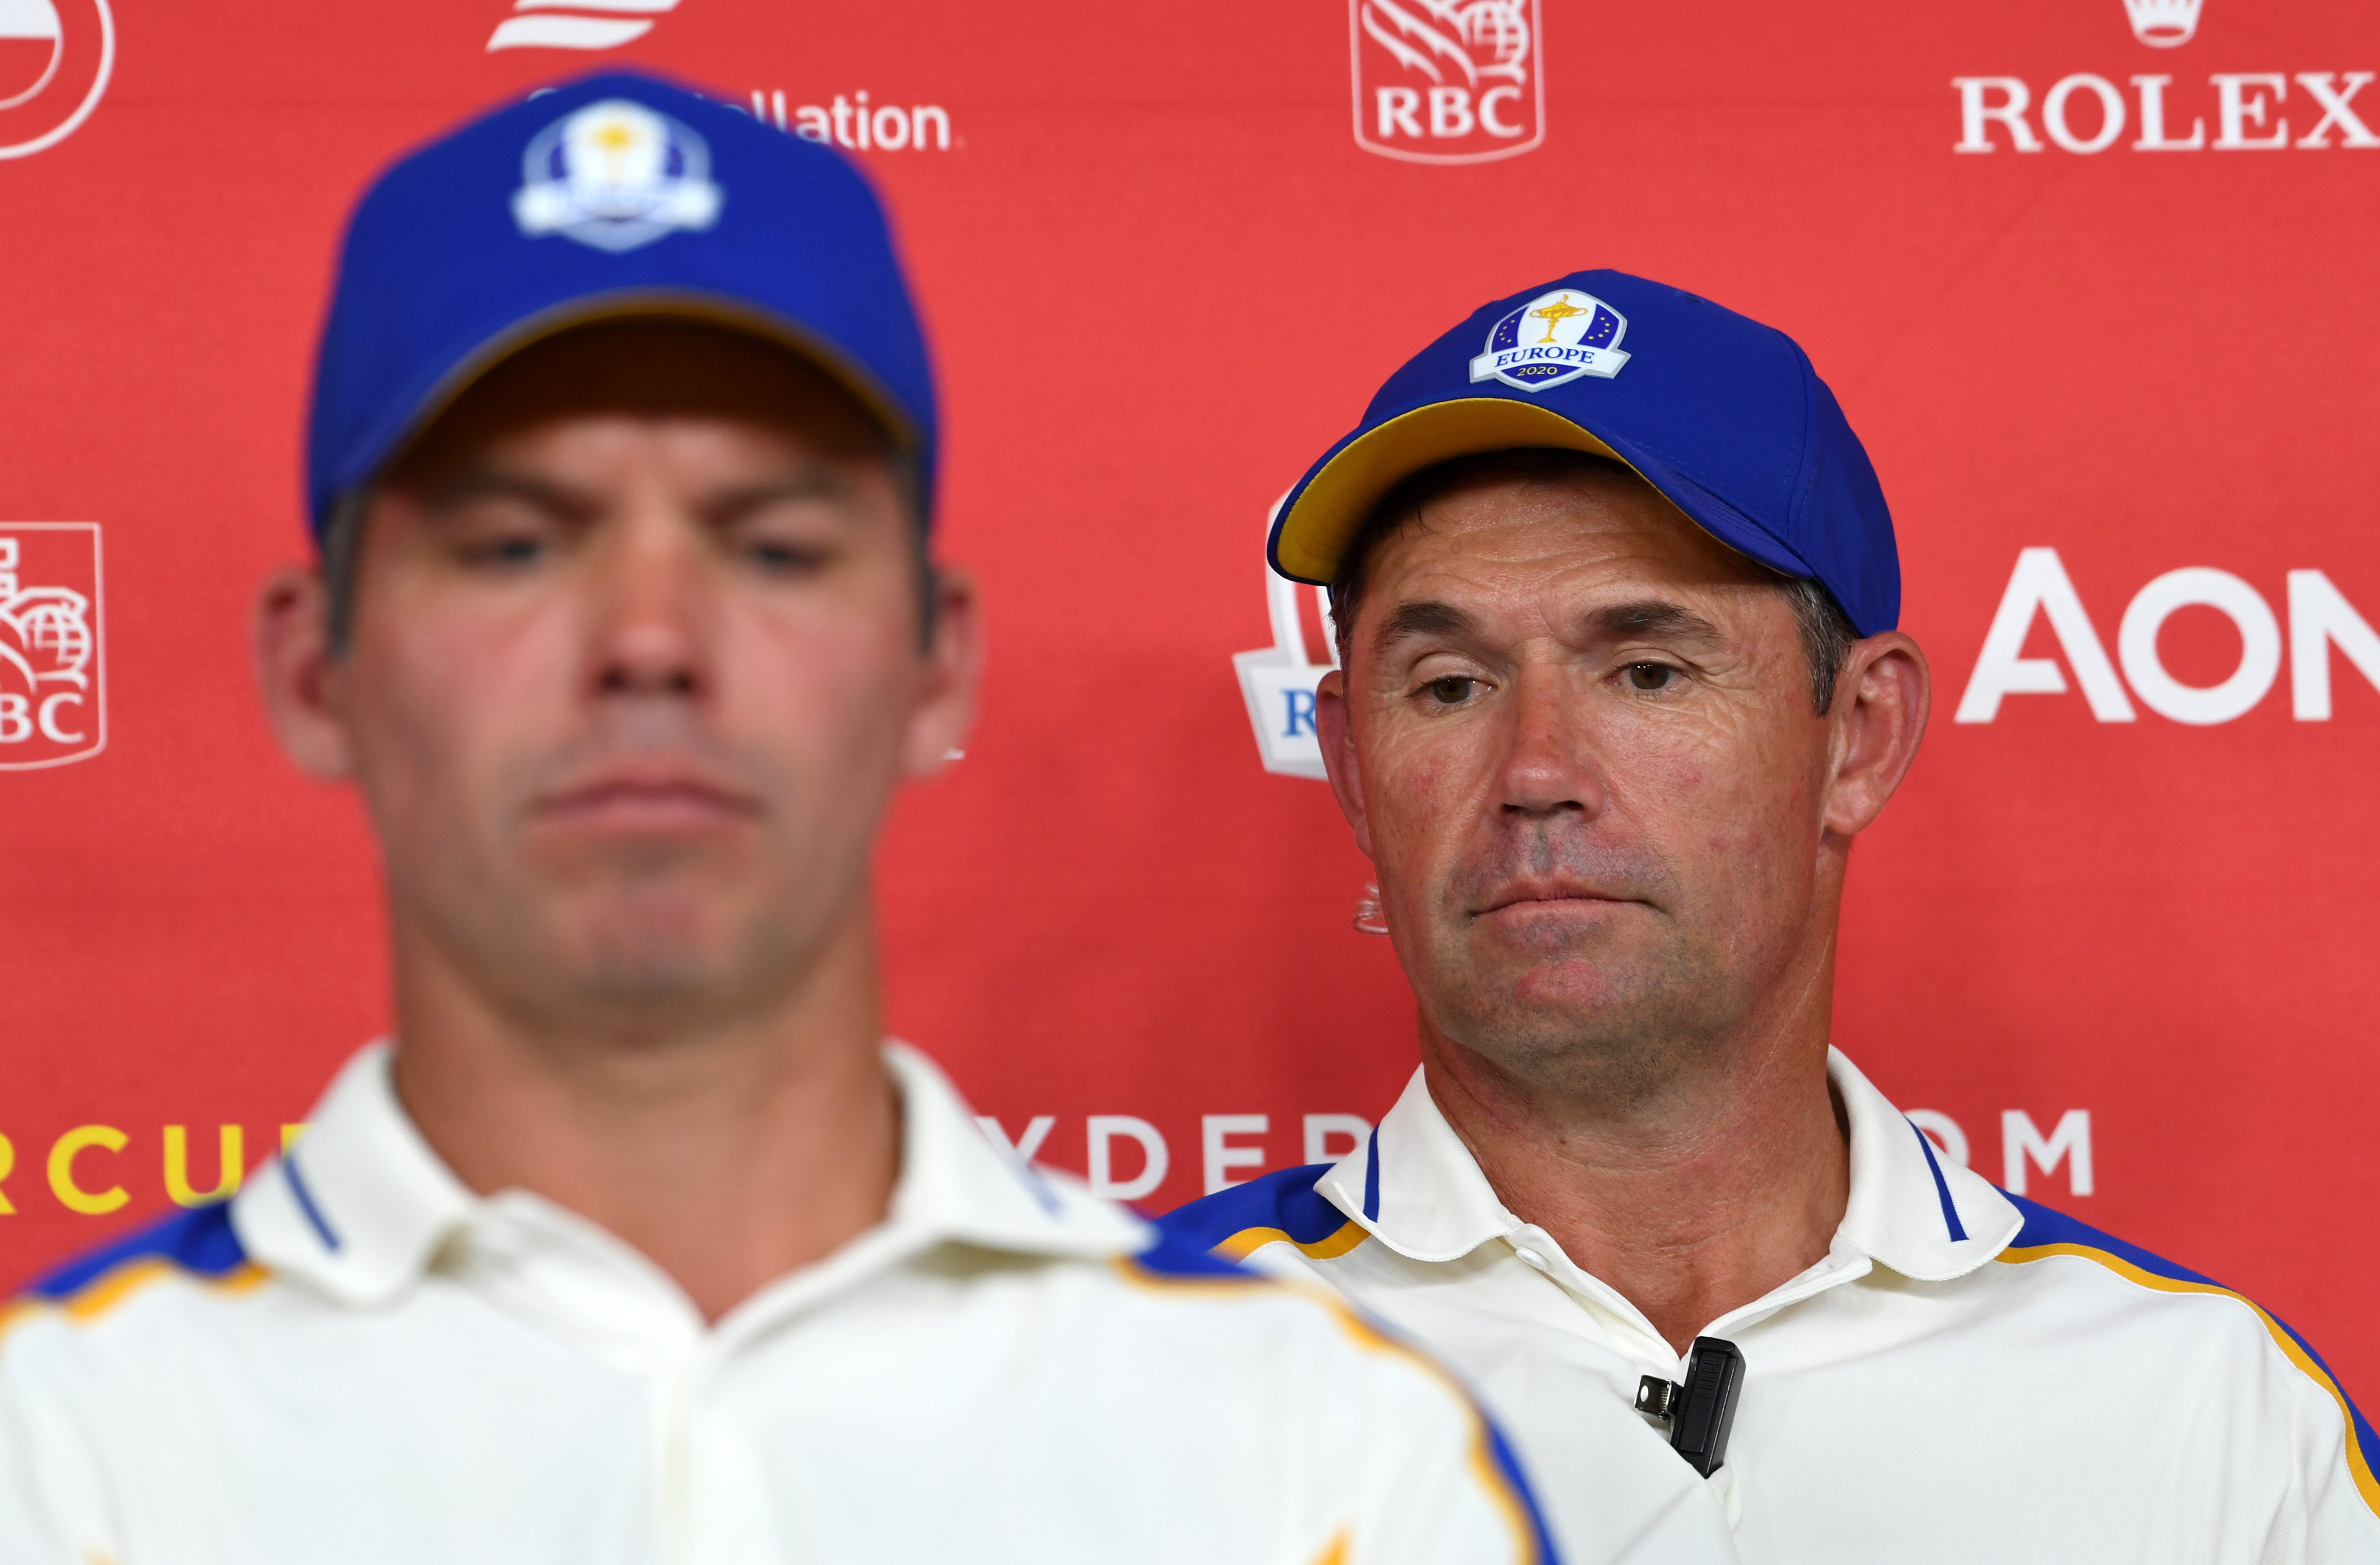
(729, 1154)
(1693, 1201)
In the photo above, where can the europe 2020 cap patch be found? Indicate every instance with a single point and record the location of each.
(1582, 337)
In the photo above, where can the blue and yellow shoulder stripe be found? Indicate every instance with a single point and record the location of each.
(198, 1245)
(1182, 1256)
(1281, 1206)
(2048, 1234)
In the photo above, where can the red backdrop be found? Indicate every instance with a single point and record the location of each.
(1163, 270)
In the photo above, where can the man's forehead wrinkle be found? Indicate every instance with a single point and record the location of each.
(1521, 539)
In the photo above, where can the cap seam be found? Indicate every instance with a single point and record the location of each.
(1805, 479)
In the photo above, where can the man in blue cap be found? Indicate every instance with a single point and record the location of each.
(638, 1244)
(1616, 595)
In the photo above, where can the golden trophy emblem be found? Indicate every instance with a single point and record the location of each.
(1553, 315)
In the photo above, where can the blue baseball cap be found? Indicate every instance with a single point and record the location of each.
(1722, 414)
(613, 197)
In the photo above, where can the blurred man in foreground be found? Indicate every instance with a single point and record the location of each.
(637, 1245)
(1616, 596)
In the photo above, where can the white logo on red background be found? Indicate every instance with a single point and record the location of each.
(2322, 622)
(54, 67)
(1278, 681)
(2163, 24)
(851, 122)
(2087, 112)
(1448, 80)
(53, 662)
(567, 24)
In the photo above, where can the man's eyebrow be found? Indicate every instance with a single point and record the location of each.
(809, 483)
(450, 491)
(1651, 616)
(464, 486)
(1422, 617)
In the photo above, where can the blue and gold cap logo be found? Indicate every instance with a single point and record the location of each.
(1555, 337)
(616, 175)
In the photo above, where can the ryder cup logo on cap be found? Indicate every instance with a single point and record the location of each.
(1553, 338)
(616, 175)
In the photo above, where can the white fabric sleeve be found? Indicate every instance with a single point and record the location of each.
(50, 1497)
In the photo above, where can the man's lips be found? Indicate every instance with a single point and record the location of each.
(1552, 897)
(644, 800)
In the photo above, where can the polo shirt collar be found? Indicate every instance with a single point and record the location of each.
(1415, 1186)
(1417, 1189)
(362, 1205)
(1912, 1208)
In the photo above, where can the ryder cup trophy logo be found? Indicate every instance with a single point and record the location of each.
(1448, 80)
(1553, 338)
(53, 692)
(2163, 24)
(616, 175)
(56, 57)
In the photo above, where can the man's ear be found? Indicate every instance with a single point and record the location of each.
(1338, 740)
(954, 668)
(1881, 701)
(291, 646)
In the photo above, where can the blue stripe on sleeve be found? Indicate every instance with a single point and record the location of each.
(1284, 1199)
(2042, 1226)
(1509, 1466)
(200, 1241)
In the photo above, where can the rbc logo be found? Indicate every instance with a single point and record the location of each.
(53, 695)
(1278, 681)
(1448, 80)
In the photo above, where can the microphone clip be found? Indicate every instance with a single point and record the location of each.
(1701, 1412)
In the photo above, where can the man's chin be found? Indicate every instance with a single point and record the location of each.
(646, 954)
(1596, 992)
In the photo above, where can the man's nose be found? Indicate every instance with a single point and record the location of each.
(653, 611)
(1548, 767)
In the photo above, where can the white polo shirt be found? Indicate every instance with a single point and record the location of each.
(359, 1361)
(1966, 1376)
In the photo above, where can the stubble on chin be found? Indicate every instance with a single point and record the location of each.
(1614, 1025)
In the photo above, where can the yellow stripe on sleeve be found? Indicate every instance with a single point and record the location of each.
(111, 1288)
(2358, 1463)
(1482, 1455)
(1247, 1241)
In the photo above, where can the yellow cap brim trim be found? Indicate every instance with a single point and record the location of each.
(1315, 535)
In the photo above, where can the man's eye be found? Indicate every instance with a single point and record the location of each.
(780, 557)
(1452, 690)
(506, 550)
(1651, 676)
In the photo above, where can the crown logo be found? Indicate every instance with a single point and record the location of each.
(2163, 24)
